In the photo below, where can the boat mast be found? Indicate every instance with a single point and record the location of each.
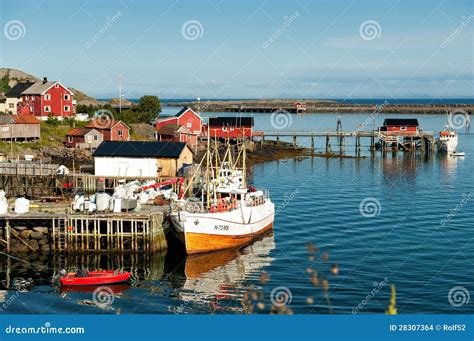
(244, 170)
(208, 162)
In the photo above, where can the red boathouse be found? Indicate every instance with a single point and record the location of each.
(230, 127)
(400, 126)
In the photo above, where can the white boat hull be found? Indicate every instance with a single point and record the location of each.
(205, 232)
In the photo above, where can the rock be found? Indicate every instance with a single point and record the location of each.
(21, 248)
(25, 234)
(33, 244)
(37, 235)
(41, 229)
(20, 228)
(45, 248)
(44, 241)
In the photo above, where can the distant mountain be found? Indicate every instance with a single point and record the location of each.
(17, 76)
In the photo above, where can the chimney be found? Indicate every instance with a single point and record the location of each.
(45, 80)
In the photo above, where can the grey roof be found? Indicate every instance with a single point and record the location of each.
(38, 88)
(140, 149)
(16, 91)
(400, 122)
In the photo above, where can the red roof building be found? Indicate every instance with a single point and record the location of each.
(112, 130)
(175, 133)
(83, 138)
(43, 99)
(230, 127)
(186, 117)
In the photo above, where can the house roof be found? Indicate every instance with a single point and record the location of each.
(39, 88)
(140, 149)
(16, 91)
(231, 121)
(182, 111)
(80, 131)
(98, 124)
(15, 119)
(400, 122)
(169, 129)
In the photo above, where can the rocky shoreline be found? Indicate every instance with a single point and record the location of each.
(320, 106)
(30, 240)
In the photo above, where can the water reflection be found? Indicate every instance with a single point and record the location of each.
(207, 281)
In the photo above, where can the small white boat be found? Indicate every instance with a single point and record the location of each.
(455, 153)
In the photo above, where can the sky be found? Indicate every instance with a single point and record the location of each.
(245, 49)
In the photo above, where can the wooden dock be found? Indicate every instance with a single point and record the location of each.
(424, 141)
(69, 232)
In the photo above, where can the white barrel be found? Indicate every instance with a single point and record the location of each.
(118, 205)
(3, 206)
(102, 201)
(22, 205)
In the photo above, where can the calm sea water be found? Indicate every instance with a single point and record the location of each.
(400, 220)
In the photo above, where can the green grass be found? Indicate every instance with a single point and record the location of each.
(51, 136)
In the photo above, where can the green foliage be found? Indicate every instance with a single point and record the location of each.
(4, 87)
(52, 120)
(86, 109)
(148, 108)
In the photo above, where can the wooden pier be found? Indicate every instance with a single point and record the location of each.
(423, 141)
(135, 232)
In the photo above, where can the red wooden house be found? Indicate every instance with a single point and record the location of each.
(112, 130)
(230, 127)
(400, 126)
(83, 138)
(47, 98)
(185, 126)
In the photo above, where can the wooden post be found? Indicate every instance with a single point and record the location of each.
(312, 142)
(327, 144)
(7, 237)
(294, 140)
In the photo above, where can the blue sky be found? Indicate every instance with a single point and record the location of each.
(245, 49)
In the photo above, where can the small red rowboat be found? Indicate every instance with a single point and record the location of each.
(95, 278)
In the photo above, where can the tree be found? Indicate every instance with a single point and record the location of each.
(4, 83)
(148, 108)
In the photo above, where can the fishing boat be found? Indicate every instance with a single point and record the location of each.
(223, 212)
(95, 278)
(448, 139)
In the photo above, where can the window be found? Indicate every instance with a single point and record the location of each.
(47, 97)
(403, 128)
(120, 133)
(56, 85)
(26, 97)
(189, 124)
(69, 138)
(67, 97)
(224, 128)
(66, 108)
(231, 128)
(33, 97)
(11, 105)
(47, 108)
(96, 137)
